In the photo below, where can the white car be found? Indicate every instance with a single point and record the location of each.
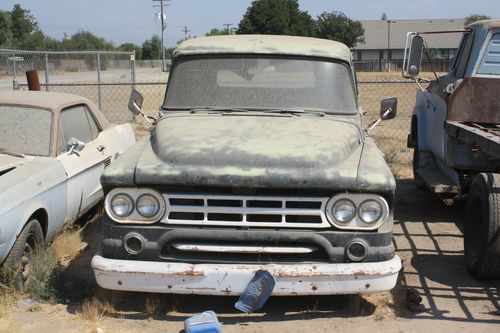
(53, 149)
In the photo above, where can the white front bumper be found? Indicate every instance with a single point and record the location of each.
(224, 279)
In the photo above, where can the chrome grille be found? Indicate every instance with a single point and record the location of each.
(246, 211)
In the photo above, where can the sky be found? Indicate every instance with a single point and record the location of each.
(134, 21)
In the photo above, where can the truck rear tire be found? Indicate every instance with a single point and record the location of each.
(482, 227)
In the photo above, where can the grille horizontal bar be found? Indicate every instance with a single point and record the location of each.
(246, 211)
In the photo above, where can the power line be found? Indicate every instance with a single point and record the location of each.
(186, 31)
(227, 26)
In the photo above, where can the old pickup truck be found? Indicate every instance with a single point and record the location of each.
(259, 161)
(455, 134)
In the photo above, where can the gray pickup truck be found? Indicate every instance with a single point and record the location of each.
(455, 134)
(259, 161)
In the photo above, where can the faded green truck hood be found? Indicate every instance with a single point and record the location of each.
(253, 152)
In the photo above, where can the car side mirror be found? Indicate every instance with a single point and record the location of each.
(75, 146)
(388, 108)
(413, 56)
(135, 106)
(135, 102)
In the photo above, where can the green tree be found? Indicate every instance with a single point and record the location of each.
(475, 17)
(129, 47)
(37, 41)
(151, 48)
(277, 17)
(337, 26)
(5, 31)
(218, 32)
(22, 22)
(87, 41)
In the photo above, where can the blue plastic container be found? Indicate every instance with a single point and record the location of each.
(205, 322)
(257, 292)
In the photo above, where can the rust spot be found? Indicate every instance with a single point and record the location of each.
(359, 273)
(190, 272)
(301, 274)
(314, 287)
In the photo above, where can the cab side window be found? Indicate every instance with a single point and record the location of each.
(460, 64)
(76, 122)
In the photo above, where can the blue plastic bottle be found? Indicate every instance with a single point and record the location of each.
(205, 322)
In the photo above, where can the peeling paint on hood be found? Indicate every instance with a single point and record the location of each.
(252, 151)
(246, 151)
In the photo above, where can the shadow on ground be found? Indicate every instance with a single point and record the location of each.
(428, 236)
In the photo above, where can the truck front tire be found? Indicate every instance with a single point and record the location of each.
(482, 227)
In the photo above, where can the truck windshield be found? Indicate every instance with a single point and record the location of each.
(25, 130)
(261, 83)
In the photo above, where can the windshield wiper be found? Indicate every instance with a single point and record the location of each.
(219, 109)
(296, 111)
(11, 153)
(207, 109)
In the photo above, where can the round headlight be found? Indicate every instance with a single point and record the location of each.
(148, 205)
(122, 205)
(370, 211)
(344, 210)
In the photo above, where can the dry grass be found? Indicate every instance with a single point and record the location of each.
(8, 292)
(94, 309)
(67, 245)
(152, 306)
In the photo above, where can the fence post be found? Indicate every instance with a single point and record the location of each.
(132, 59)
(46, 72)
(99, 80)
(15, 85)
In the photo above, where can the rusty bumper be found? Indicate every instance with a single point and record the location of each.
(232, 279)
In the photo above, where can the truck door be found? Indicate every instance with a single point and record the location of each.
(437, 103)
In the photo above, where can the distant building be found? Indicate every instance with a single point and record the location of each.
(385, 39)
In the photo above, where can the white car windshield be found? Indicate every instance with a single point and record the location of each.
(261, 83)
(25, 130)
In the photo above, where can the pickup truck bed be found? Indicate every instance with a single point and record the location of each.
(485, 137)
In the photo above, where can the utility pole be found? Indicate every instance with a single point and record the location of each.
(186, 31)
(227, 27)
(389, 52)
(162, 5)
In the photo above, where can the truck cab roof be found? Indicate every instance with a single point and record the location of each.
(265, 44)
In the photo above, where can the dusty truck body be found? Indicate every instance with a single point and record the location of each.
(259, 161)
(455, 133)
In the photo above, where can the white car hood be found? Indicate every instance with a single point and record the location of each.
(9, 162)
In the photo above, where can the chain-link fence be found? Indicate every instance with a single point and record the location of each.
(107, 78)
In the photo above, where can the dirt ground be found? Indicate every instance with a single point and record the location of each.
(428, 238)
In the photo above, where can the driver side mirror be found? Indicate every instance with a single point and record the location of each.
(135, 102)
(75, 146)
(413, 56)
(389, 108)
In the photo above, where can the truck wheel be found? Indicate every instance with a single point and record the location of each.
(482, 227)
(29, 243)
(419, 182)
